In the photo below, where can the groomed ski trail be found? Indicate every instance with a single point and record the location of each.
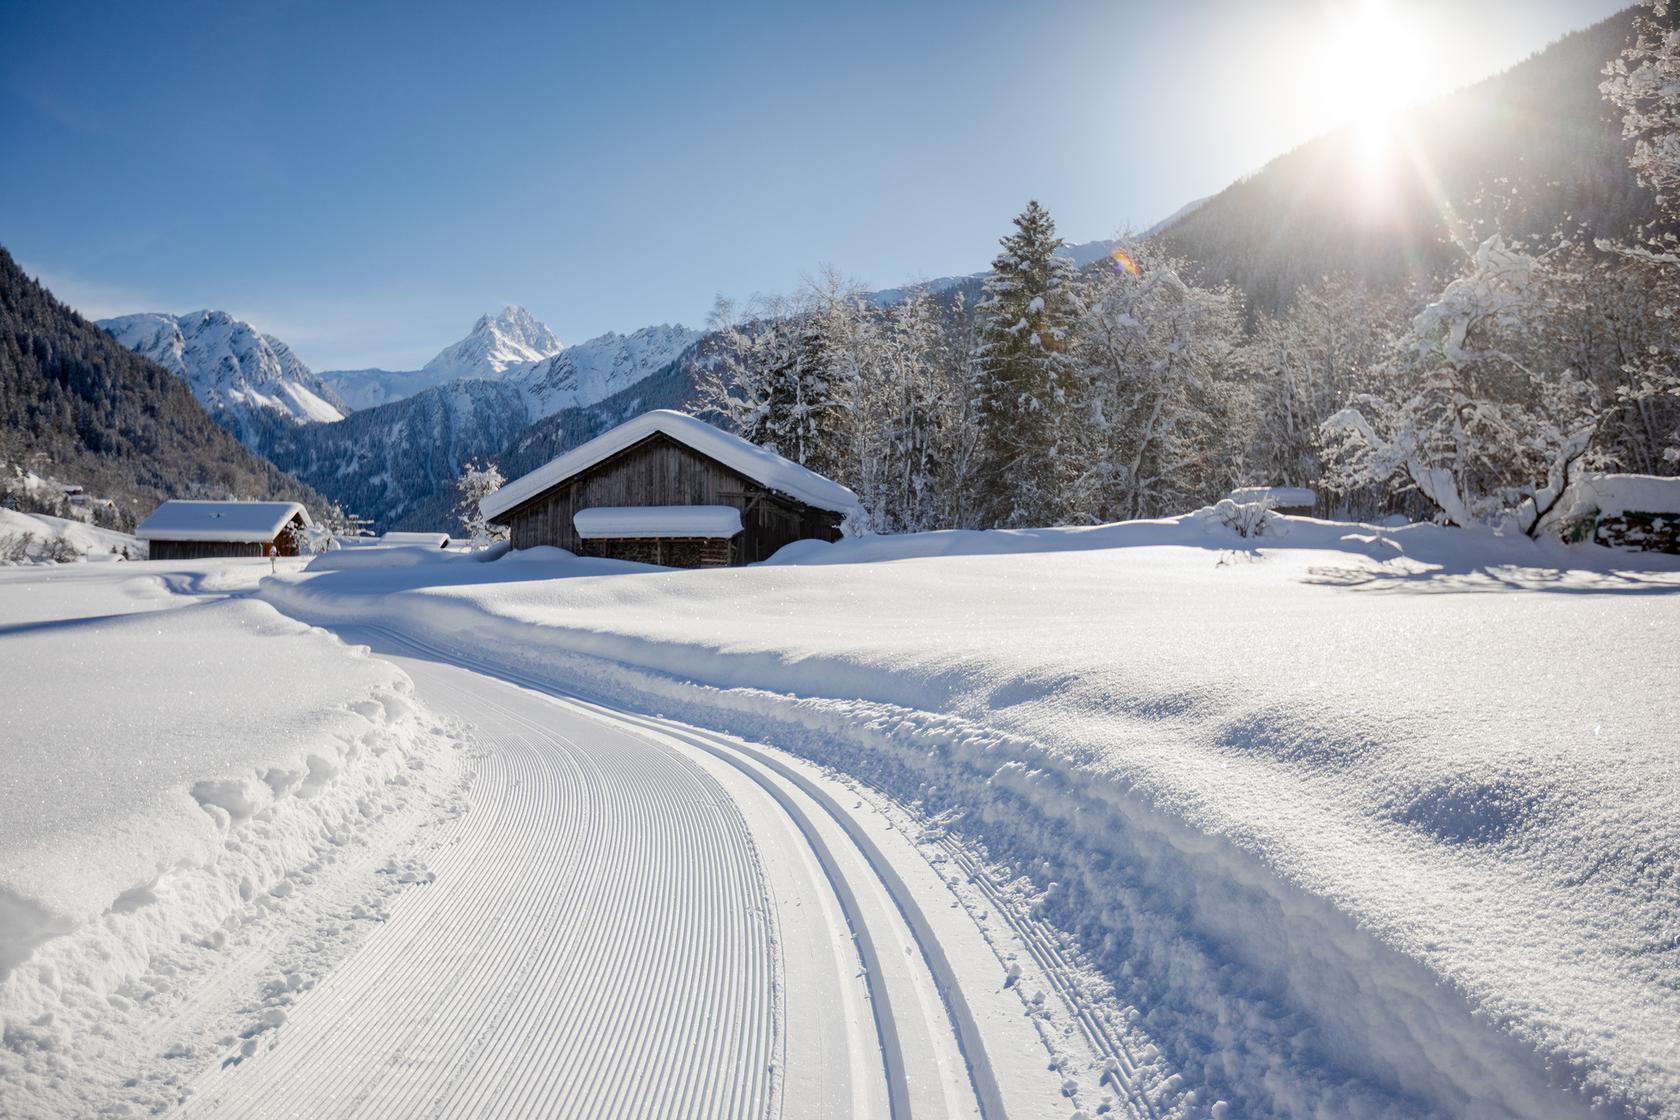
(640, 918)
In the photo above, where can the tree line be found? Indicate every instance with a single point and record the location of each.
(1129, 389)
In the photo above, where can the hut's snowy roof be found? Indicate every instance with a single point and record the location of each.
(1291, 496)
(657, 521)
(766, 468)
(430, 540)
(240, 522)
(1612, 495)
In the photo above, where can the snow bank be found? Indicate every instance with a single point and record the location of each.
(1337, 818)
(169, 778)
(35, 538)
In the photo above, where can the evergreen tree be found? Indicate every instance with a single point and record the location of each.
(1026, 387)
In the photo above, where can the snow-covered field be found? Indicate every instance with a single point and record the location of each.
(1148, 819)
(1361, 822)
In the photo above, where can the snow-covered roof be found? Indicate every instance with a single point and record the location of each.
(1291, 496)
(177, 520)
(1612, 495)
(766, 468)
(657, 521)
(430, 540)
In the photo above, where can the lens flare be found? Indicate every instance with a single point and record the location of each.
(1123, 262)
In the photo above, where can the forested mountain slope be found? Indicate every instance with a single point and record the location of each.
(1520, 153)
(78, 403)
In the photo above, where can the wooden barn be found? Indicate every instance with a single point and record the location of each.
(666, 488)
(183, 530)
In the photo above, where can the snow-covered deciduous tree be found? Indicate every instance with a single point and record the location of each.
(1302, 366)
(1645, 83)
(1472, 412)
(475, 484)
(914, 446)
(1027, 387)
(1156, 356)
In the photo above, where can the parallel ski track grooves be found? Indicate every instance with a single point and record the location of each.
(686, 966)
(753, 762)
(1041, 943)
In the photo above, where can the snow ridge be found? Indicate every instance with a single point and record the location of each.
(230, 364)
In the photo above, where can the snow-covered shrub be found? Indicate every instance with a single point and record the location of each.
(475, 484)
(1248, 520)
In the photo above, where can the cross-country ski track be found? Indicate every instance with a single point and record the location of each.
(636, 917)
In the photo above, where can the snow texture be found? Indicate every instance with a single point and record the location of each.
(1333, 815)
(236, 522)
(764, 467)
(657, 521)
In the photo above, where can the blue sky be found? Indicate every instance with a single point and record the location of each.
(364, 180)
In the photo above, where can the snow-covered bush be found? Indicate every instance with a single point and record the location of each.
(475, 484)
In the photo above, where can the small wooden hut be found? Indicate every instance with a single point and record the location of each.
(667, 488)
(186, 530)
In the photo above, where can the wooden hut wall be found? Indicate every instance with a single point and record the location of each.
(285, 544)
(199, 550)
(659, 471)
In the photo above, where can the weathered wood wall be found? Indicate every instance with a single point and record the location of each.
(198, 550)
(285, 544)
(659, 471)
(670, 552)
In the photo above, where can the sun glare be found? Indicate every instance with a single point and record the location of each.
(1373, 65)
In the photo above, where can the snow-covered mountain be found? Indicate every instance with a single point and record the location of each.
(497, 346)
(395, 457)
(235, 370)
(496, 343)
(594, 370)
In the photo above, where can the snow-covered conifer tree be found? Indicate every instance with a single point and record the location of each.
(1027, 387)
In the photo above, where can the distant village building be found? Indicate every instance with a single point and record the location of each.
(666, 488)
(423, 540)
(186, 530)
(1296, 500)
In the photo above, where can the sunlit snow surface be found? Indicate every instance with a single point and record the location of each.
(1362, 821)
(1352, 821)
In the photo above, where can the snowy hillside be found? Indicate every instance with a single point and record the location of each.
(233, 368)
(34, 538)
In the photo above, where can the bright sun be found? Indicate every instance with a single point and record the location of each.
(1374, 64)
